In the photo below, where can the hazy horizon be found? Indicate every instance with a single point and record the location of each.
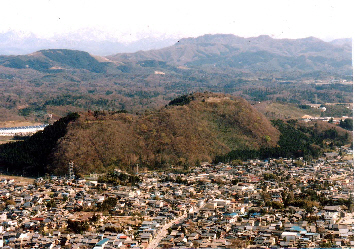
(134, 20)
(15, 43)
(144, 25)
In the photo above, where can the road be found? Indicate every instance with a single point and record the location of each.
(163, 231)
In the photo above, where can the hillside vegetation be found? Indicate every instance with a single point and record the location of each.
(279, 110)
(210, 124)
(54, 60)
(297, 139)
(190, 129)
(181, 134)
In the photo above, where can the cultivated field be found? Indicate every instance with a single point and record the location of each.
(7, 124)
(18, 179)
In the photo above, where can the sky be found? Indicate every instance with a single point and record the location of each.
(127, 21)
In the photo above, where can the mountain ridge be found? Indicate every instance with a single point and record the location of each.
(225, 50)
(222, 51)
(13, 43)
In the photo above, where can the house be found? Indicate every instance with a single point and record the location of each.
(101, 243)
(290, 236)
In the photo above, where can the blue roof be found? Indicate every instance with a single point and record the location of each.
(102, 242)
(297, 228)
(230, 214)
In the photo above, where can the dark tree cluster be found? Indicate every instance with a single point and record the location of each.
(31, 156)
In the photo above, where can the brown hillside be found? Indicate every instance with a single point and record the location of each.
(209, 125)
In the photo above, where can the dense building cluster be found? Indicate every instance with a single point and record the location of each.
(252, 204)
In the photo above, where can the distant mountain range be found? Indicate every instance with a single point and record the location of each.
(13, 44)
(261, 53)
(255, 53)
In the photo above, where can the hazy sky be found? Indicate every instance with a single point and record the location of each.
(132, 19)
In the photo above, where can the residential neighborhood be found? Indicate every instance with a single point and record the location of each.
(276, 203)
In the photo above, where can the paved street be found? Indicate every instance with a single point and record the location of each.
(163, 232)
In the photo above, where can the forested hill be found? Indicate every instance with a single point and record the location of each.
(55, 61)
(191, 129)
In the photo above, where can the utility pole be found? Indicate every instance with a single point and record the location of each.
(71, 171)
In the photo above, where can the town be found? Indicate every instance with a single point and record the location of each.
(277, 203)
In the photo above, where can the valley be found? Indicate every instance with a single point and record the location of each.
(57, 81)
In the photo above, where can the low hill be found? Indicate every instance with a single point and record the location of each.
(195, 129)
(54, 60)
(190, 129)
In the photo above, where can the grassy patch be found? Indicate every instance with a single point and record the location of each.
(285, 110)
